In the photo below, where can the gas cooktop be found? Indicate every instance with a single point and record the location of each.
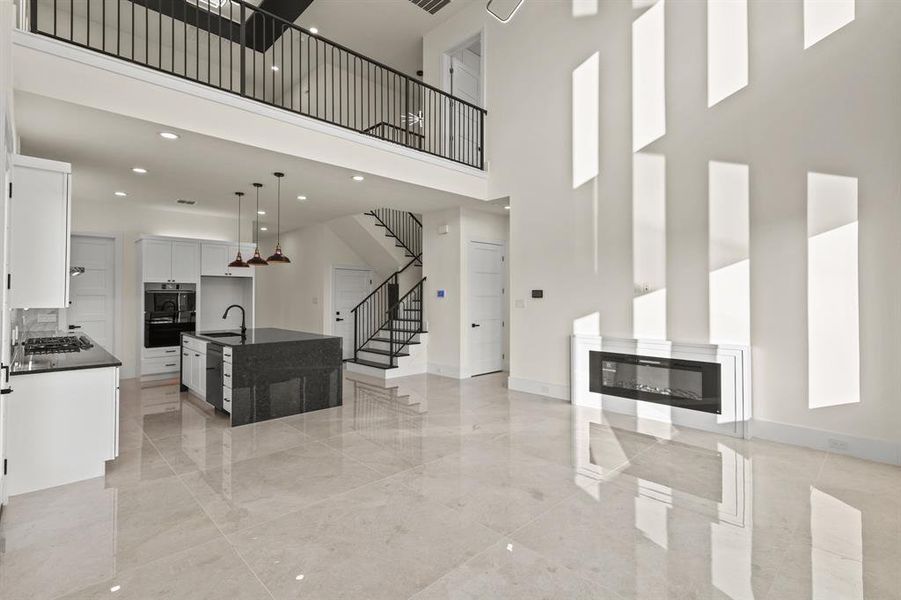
(56, 344)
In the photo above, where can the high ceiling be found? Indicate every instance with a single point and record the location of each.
(389, 31)
(104, 147)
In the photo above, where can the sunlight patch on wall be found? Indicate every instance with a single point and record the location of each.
(836, 556)
(729, 253)
(648, 77)
(824, 17)
(585, 120)
(727, 48)
(649, 245)
(833, 321)
(588, 325)
(584, 8)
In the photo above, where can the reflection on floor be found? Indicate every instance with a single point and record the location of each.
(439, 488)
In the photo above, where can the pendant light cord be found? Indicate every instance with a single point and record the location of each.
(278, 225)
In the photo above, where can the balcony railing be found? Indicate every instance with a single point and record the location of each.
(237, 47)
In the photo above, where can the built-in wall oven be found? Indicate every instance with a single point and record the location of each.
(169, 310)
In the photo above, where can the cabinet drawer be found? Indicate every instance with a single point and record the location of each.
(227, 354)
(227, 399)
(194, 344)
(154, 366)
(227, 372)
(168, 351)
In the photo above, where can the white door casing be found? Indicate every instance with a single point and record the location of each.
(93, 293)
(350, 286)
(485, 308)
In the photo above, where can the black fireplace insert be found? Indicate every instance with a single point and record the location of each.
(670, 381)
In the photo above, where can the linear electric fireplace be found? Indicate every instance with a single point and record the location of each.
(674, 382)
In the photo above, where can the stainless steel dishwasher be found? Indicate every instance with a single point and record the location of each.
(214, 375)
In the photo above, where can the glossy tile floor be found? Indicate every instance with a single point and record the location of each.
(451, 489)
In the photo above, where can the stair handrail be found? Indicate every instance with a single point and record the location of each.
(408, 234)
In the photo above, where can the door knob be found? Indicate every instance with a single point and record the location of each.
(339, 319)
(476, 325)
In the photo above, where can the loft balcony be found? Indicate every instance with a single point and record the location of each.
(236, 47)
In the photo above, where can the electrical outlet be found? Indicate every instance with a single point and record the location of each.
(838, 445)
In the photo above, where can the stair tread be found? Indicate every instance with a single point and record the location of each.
(383, 352)
(401, 330)
(405, 320)
(388, 341)
(371, 363)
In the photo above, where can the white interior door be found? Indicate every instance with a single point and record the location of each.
(485, 308)
(465, 85)
(351, 286)
(93, 293)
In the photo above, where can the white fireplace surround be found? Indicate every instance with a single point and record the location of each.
(735, 372)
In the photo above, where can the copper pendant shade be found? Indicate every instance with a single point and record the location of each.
(239, 261)
(257, 260)
(278, 257)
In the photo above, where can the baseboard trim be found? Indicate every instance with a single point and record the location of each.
(444, 370)
(830, 441)
(542, 388)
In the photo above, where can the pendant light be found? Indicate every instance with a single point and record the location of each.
(257, 260)
(278, 257)
(239, 261)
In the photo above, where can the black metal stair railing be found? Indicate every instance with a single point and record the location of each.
(242, 49)
(376, 318)
(403, 226)
(405, 320)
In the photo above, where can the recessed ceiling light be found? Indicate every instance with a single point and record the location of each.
(264, 229)
(120, 194)
(168, 135)
(314, 30)
(301, 197)
(139, 170)
(358, 178)
(507, 207)
(274, 67)
(261, 212)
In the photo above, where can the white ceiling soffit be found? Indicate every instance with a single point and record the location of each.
(104, 148)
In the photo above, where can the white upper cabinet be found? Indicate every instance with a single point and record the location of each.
(186, 262)
(166, 261)
(39, 220)
(214, 259)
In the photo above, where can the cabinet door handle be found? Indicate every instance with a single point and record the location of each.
(171, 351)
(170, 365)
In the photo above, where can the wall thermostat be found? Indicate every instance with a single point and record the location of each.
(538, 293)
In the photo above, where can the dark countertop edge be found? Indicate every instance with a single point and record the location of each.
(117, 363)
(229, 342)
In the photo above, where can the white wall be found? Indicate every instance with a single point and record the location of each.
(833, 108)
(299, 295)
(130, 220)
(445, 258)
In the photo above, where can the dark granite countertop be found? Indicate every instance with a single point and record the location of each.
(264, 335)
(93, 358)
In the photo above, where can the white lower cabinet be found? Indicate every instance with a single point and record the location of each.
(66, 427)
(193, 365)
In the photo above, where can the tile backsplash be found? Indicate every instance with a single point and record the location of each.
(34, 322)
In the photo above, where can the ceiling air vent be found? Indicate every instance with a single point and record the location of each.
(188, 202)
(431, 6)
